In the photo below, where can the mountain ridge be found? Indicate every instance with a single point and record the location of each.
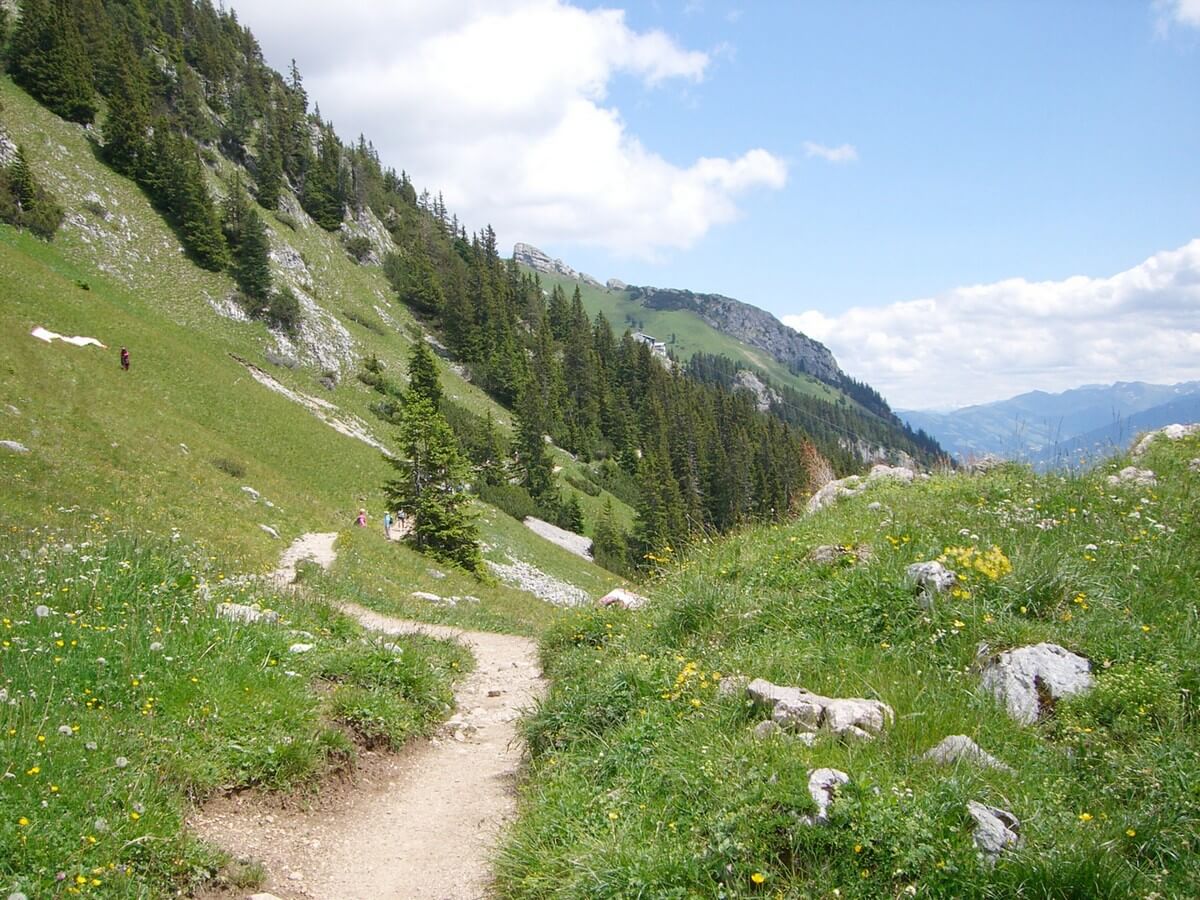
(743, 321)
(1041, 425)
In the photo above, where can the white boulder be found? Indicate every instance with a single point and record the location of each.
(623, 599)
(1021, 678)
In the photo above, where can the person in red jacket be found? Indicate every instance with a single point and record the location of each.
(124, 359)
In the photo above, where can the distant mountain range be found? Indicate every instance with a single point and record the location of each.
(1055, 429)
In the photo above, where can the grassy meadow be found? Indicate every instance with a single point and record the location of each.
(645, 782)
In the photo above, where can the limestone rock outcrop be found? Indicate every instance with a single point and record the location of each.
(1174, 432)
(798, 710)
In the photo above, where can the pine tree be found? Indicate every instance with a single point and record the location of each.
(533, 462)
(431, 487)
(269, 171)
(127, 128)
(609, 545)
(322, 196)
(24, 202)
(247, 239)
(423, 381)
(195, 214)
(491, 466)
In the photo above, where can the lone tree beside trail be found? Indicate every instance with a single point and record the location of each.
(432, 482)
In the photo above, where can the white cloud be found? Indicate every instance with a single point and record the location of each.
(1182, 12)
(987, 342)
(840, 154)
(500, 104)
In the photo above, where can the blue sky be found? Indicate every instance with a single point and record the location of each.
(964, 200)
(994, 140)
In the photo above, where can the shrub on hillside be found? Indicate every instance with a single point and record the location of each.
(359, 248)
(24, 202)
(283, 310)
(230, 467)
(512, 498)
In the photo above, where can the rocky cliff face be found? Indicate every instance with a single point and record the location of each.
(751, 325)
(528, 255)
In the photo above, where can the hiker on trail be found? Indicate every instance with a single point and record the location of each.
(361, 521)
(124, 359)
(401, 518)
(387, 524)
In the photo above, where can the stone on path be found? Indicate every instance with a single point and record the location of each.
(1029, 678)
(995, 829)
(959, 747)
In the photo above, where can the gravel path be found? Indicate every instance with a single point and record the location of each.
(316, 546)
(421, 824)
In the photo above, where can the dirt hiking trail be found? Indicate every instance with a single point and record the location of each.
(419, 824)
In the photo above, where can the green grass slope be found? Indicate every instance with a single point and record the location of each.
(125, 699)
(170, 444)
(646, 782)
(692, 334)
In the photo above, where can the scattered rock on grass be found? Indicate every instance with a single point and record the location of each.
(14, 446)
(796, 709)
(932, 578)
(253, 494)
(995, 829)
(959, 747)
(1194, 465)
(300, 648)
(239, 612)
(1134, 475)
(269, 530)
(1029, 679)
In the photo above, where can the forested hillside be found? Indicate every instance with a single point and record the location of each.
(183, 104)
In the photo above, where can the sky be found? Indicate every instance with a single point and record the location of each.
(964, 201)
